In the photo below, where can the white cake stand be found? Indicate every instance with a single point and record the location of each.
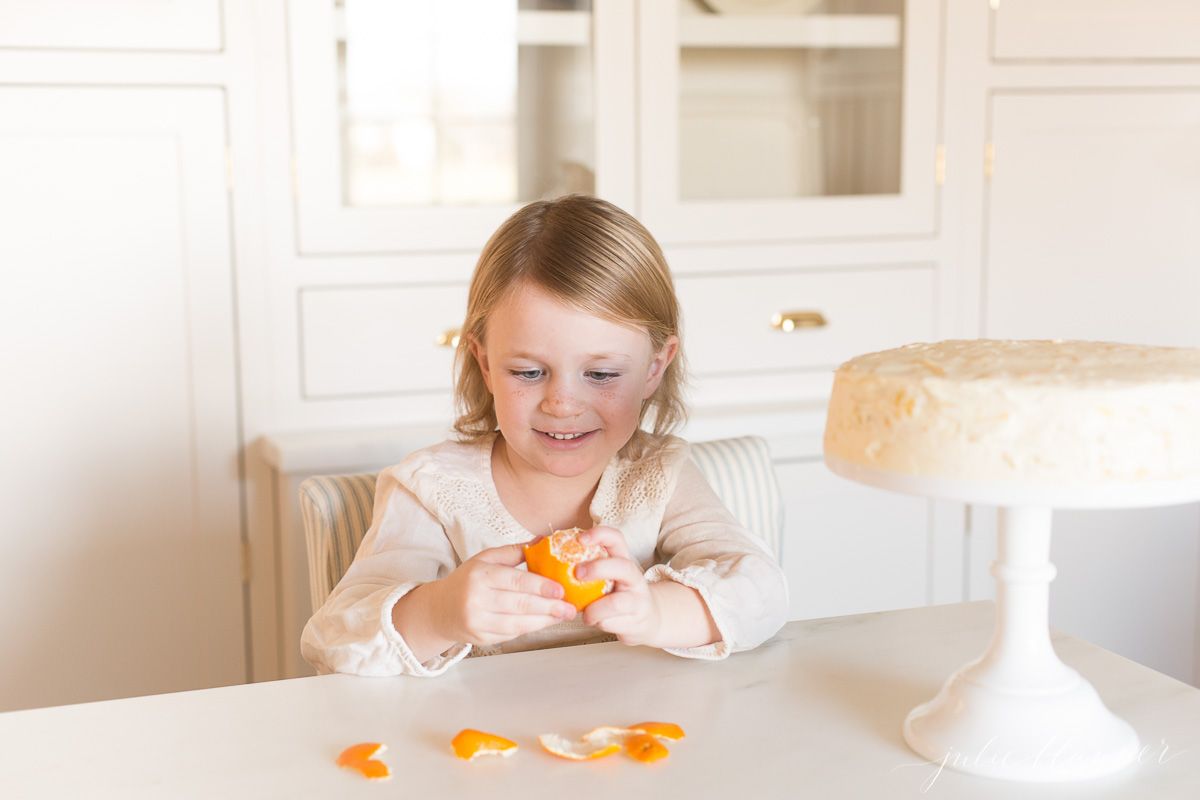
(1017, 711)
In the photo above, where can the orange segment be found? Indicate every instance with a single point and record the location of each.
(582, 750)
(469, 744)
(555, 557)
(663, 730)
(645, 747)
(358, 757)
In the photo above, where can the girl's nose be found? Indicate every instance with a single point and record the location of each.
(560, 401)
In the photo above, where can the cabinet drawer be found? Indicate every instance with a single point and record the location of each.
(187, 25)
(377, 340)
(1076, 30)
(728, 319)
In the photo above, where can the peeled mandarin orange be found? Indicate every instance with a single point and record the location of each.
(360, 757)
(469, 744)
(645, 747)
(555, 557)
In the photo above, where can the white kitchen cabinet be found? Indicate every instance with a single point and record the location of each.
(166, 25)
(421, 127)
(122, 562)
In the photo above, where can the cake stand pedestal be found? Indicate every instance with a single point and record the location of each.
(1017, 711)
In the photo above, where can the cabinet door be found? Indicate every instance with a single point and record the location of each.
(120, 570)
(785, 124)
(1090, 227)
(421, 126)
(1090, 234)
(111, 25)
(848, 548)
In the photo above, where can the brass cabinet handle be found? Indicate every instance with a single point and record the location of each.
(788, 321)
(449, 337)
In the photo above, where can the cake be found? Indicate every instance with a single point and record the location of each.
(1051, 413)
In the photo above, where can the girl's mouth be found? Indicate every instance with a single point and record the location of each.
(565, 441)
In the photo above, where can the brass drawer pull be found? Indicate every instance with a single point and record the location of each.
(788, 321)
(449, 337)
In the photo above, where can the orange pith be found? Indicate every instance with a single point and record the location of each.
(582, 750)
(469, 744)
(555, 557)
(645, 747)
(358, 757)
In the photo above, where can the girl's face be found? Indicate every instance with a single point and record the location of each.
(553, 369)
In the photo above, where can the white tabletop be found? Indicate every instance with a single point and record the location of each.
(814, 712)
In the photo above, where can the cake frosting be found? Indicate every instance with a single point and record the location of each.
(1053, 413)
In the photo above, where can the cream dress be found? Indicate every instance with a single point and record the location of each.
(439, 506)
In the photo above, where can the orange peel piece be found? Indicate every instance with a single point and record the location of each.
(469, 744)
(589, 748)
(662, 730)
(361, 758)
(645, 747)
(555, 557)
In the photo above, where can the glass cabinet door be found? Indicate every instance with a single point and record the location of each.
(422, 125)
(788, 119)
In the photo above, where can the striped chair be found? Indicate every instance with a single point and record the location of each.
(337, 508)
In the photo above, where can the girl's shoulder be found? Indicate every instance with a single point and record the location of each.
(644, 479)
(451, 459)
(451, 479)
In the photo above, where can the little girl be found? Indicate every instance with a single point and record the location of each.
(570, 343)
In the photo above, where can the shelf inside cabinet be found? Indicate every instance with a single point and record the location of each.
(574, 29)
(815, 30)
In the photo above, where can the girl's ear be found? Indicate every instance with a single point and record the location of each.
(479, 353)
(658, 367)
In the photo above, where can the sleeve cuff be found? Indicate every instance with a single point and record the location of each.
(715, 651)
(434, 666)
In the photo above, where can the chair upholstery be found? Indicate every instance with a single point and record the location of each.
(337, 508)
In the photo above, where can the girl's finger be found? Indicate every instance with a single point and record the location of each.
(617, 604)
(502, 627)
(525, 604)
(611, 539)
(510, 555)
(621, 571)
(508, 579)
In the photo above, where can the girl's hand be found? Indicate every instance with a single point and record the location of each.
(631, 610)
(487, 600)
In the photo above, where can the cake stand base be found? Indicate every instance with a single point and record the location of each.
(998, 732)
(1017, 711)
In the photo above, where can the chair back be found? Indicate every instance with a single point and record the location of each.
(336, 509)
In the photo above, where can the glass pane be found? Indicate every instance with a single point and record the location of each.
(464, 102)
(789, 98)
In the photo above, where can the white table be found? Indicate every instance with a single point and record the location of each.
(815, 712)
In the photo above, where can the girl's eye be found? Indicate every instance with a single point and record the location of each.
(526, 374)
(600, 376)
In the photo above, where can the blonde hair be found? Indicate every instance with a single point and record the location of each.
(590, 255)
